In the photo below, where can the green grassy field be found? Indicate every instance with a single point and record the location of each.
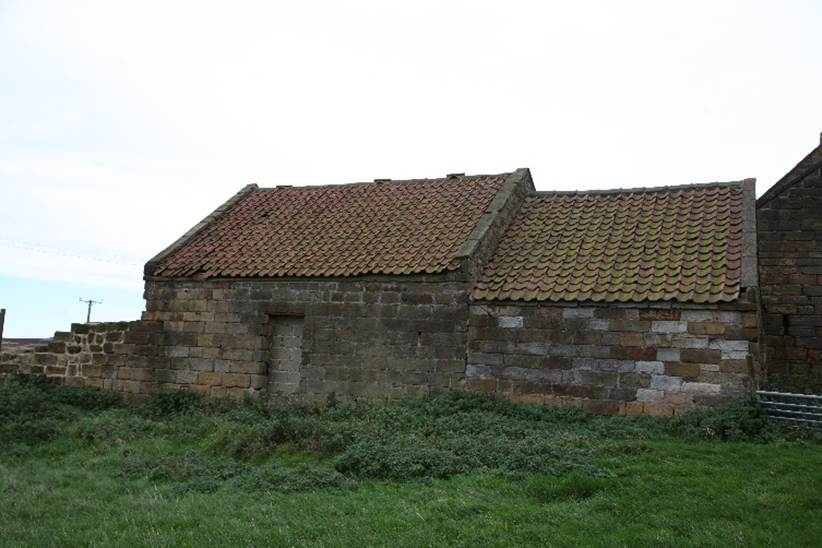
(80, 468)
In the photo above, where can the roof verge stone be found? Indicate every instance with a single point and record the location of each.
(196, 229)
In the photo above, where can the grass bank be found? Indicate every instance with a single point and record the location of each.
(79, 467)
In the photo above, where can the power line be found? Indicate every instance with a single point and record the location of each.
(48, 250)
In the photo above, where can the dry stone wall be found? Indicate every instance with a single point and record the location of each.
(614, 359)
(91, 354)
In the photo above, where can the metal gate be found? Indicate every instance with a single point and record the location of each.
(805, 409)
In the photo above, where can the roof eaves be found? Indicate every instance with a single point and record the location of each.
(196, 229)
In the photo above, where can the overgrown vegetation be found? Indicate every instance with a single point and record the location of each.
(81, 443)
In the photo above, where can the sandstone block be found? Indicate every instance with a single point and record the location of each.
(683, 370)
(689, 341)
(733, 366)
(569, 313)
(659, 409)
(648, 394)
(666, 383)
(668, 314)
(509, 322)
(634, 380)
(706, 328)
(210, 378)
(665, 326)
(200, 364)
(700, 355)
(239, 380)
(668, 354)
(701, 388)
(632, 408)
(45, 359)
(697, 315)
(600, 325)
(652, 367)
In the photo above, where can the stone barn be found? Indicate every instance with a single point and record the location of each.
(618, 301)
(631, 301)
(789, 218)
(361, 290)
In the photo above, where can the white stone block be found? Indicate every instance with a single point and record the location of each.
(509, 322)
(665, 326)
(689, 341)
(655, 368)
(697, 315)
(734, 318)
(600, 325)
(666, 383)
(730, 346)
(577, 313)
(700, 388)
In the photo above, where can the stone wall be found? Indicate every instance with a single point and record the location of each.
(373, 338)
(88, 355)
(790, 267)
(618, 358)
(378, 339)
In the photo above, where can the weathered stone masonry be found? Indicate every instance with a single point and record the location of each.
(622, 358)
(102, 355)
(789, 219)
(372, 339)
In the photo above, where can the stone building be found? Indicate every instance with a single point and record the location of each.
(789, 219)
(626, 301)
(360, 289)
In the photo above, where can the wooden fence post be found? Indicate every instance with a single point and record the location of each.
(2, 321)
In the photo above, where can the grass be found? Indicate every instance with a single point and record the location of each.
(81, 468)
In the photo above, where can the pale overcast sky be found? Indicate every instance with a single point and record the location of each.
(124, 123)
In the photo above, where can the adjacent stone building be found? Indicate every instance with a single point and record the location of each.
(789, 218)
(628, 301)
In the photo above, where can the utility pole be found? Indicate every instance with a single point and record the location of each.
(90, 303)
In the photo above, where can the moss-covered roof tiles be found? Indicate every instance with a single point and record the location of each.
(671, 244)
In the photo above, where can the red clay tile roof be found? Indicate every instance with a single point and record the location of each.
(679, 244)
(400, 227)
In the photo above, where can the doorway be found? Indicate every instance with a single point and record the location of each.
(286, 355)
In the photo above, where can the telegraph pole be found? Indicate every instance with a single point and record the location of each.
(90, 303)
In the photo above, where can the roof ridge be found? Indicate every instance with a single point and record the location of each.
(489, 216)
(739, 183)
(379, 182)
